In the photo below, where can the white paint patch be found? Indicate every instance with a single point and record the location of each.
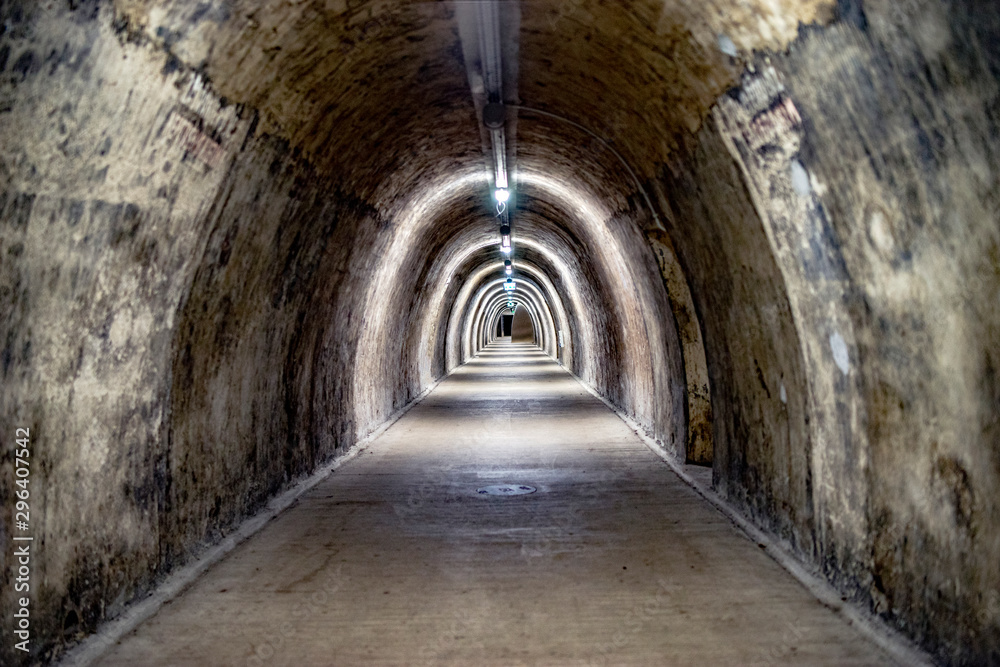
(800, 179)
(881, 235)
(726, 46)
(783, 394)
(121, 328)
(839, 349)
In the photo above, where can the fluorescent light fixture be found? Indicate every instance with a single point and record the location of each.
(501, 175)
(509, 285)
(501, 194)
(505, 249)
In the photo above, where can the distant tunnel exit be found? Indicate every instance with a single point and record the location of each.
(504, 325)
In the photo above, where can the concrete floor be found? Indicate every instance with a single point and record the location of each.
(395, 559)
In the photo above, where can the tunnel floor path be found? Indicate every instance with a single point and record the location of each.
(398, 558)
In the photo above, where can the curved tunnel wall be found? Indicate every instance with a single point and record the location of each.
(463, 323)
(210, 285)
(523, 328)
(536, 267)
(492, 298)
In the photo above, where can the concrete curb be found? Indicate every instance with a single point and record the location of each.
(899, 647)
(94, 646)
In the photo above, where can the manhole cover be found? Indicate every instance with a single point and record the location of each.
(505, 490)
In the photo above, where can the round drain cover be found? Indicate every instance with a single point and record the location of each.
(506, 490)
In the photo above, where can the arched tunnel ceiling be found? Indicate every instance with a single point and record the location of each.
(324, 72)
(607, 91)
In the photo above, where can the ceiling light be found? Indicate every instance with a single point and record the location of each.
(505, 238)
(501, 194)
(727, 46)
(494, 115)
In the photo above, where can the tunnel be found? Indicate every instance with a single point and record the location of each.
(246, 246)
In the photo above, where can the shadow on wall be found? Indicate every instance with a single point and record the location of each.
(522, 330)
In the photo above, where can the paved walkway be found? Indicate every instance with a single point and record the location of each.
(398, 559)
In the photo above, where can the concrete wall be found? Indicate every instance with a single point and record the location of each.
(106, 186)
(197, 308)
(836, 217)
(182, 300)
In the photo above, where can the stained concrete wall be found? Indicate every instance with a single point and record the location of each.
(910, 195)
(105, 186)
(837, 221)
(181, 307)
(199, 307)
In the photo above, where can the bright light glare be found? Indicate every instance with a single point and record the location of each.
(501, 194)
(509, 271)
(505, 249)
